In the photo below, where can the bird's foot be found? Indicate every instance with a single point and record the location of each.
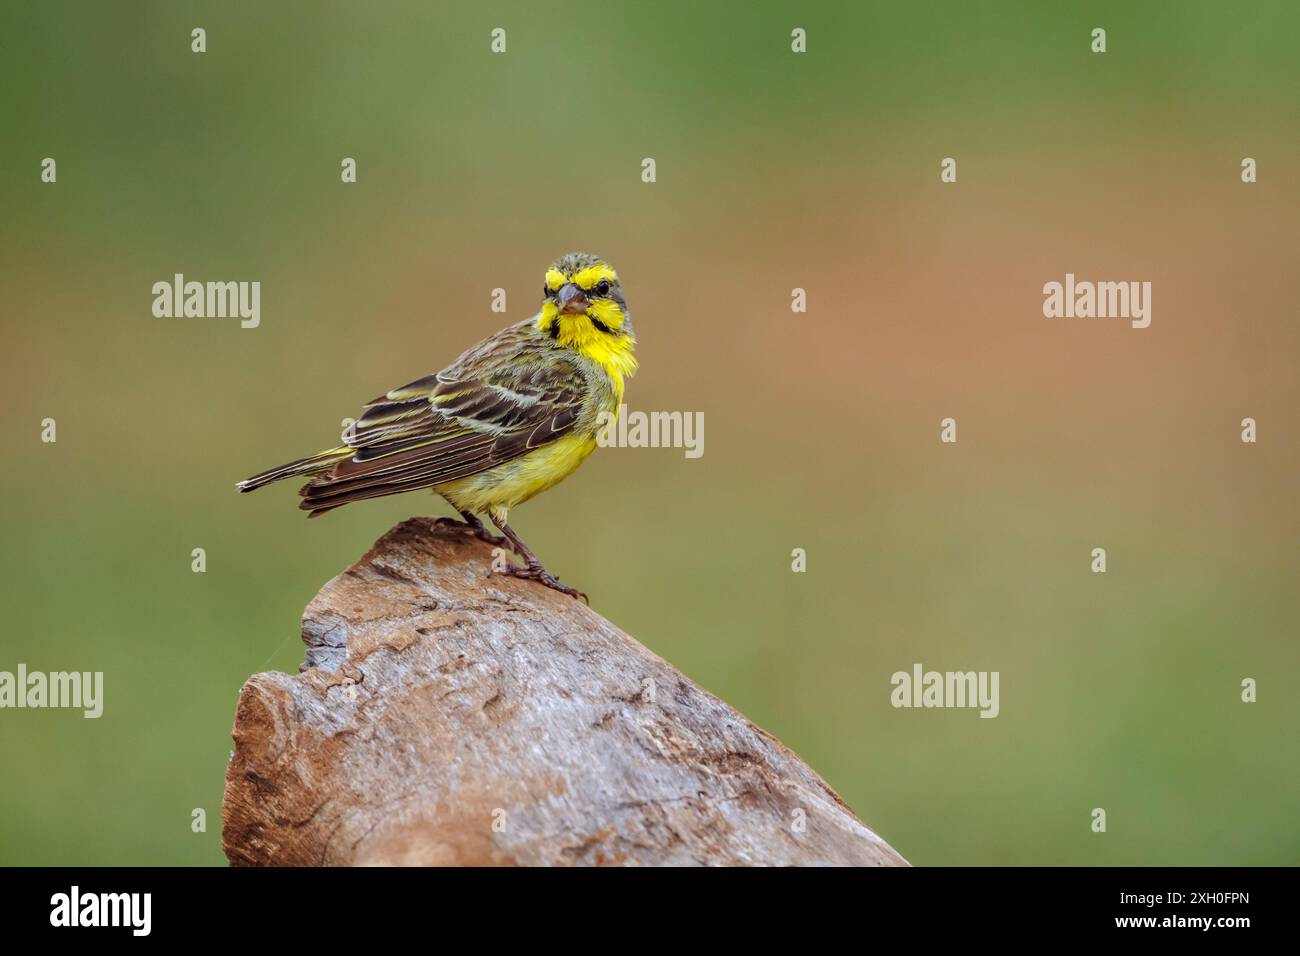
(535, 572)
(474, 527)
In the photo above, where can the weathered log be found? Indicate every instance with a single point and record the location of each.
(445, 716)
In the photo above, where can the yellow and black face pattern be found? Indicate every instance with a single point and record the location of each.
(582, 299)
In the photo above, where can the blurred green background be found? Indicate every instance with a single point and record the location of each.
(775, 171)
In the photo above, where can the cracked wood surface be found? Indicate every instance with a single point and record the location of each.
(446, 717)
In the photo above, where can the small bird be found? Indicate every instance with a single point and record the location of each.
(513, 416)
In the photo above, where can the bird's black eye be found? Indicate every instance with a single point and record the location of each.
(602, 287)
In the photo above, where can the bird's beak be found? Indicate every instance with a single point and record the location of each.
(572, 300)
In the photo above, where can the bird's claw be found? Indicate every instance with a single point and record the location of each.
(542, 576)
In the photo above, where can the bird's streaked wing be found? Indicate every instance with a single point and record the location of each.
(501, 399)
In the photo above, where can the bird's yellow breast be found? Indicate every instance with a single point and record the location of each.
(514, 482)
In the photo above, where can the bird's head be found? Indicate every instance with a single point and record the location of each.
(583, 309)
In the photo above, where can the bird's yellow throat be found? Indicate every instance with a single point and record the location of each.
(611, 350)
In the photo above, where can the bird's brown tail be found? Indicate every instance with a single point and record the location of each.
(303, 466)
